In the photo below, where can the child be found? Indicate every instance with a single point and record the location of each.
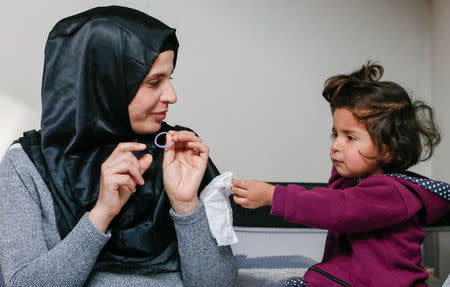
(373, 208)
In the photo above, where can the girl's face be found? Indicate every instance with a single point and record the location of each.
(352, 152)
(150, 104)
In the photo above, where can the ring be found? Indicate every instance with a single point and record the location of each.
(162, 146)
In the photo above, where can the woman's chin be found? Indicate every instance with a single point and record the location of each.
(147, 129)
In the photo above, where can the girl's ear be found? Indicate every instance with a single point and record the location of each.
(386, 156)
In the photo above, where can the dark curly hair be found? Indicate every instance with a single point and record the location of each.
(404, 128)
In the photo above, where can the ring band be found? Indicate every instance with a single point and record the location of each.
(162, 146)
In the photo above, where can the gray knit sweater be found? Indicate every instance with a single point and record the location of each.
(33, 254)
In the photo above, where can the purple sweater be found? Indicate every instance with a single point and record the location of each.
(375, 232)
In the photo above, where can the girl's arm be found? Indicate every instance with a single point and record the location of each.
(378, 201)
(25, 258)
(203, 262)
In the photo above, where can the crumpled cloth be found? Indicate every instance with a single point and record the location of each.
(215, 197)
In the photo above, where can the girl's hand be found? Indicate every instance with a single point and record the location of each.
(183, 168)
(252, 193)
(119, 175)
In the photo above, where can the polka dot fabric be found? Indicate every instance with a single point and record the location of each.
(437, 187)
(295, 282)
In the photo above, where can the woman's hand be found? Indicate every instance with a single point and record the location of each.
(119, 175)
(183, 168)
(252, 193)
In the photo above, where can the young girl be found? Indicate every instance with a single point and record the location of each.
(373, 208)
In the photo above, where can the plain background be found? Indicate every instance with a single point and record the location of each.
(250, 73)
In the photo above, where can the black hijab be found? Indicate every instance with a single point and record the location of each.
(94, 64)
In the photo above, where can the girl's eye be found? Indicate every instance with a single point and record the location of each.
(350, 138)
(333, 135)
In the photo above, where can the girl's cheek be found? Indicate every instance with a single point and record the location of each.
(353, 157)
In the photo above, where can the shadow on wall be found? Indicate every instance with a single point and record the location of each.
(16, 118)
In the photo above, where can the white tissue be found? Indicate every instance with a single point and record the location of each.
(216, 200)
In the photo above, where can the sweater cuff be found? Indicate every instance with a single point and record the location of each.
(198, 214)
(278, 199)
(86, 224)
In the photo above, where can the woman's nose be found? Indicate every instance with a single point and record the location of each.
(169, 95)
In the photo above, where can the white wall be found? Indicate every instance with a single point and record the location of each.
(441, 84)
(16, 118)
(250, 73)
(441, 102)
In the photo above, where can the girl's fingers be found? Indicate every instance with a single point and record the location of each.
(239, 192)
(239, 183)
(239, 200)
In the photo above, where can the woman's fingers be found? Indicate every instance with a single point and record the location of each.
(199, 148)
(125, 163)
(169, 153)
(120, 182)
(145, 161)
(184, 136)
(181, 138)
(127, 146)
(122, 160)
(184, 140)
(182, 132)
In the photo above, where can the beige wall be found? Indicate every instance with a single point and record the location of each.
(250, 73)
(441, 102)
(441, 84)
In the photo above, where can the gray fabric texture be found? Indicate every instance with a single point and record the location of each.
(447, 282)
(33, 254)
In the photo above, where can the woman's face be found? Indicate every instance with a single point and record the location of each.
(149, 107)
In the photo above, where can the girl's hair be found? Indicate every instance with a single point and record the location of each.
(403, 128)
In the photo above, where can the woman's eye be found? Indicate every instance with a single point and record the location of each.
(154, 83)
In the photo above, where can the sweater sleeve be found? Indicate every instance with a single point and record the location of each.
(203, 262)
(25, 258)
(376, 202)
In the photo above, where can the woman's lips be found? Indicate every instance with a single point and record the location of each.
(160, 115)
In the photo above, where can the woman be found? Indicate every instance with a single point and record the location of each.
(86, 200)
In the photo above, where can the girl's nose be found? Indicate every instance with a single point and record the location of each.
(335, 145)
(169, 95)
